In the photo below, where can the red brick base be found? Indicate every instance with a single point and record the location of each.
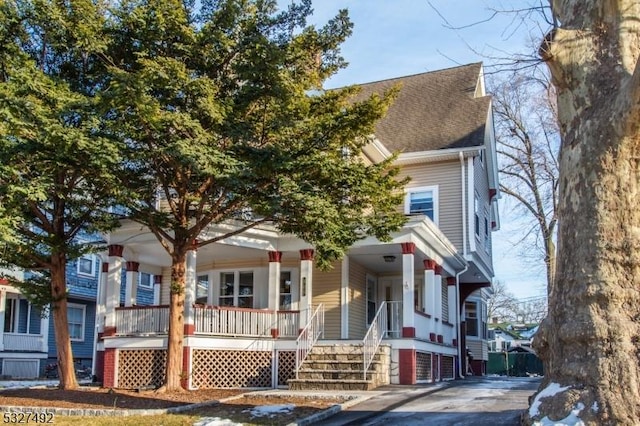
(185, 381)
(407, 361)
(99, 372)
(109, 379)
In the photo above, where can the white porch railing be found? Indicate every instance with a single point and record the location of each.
(377, 331)
(288, 323)
(137, 320)
(230, 321)
(309, 336)
(23, 342)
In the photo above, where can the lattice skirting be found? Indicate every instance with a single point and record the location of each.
(231, 369)
(286, 367)
(423, 366)
(141, 368)
(448, 371)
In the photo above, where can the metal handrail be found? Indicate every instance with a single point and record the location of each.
(309, 336)
(373, 338)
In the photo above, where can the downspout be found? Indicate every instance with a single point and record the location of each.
(464, 252)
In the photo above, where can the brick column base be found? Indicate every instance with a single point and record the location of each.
(407, 361)
(99, 373)
(109, 379)
(185, 380)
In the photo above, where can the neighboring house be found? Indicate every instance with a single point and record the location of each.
(506, 336)
(250, 295)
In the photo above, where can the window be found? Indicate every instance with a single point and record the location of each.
(236, 289)
(471, 318)
(424, 201)
(145, 280)
(476, 210)
(75, 317)
(285, 290)
(486, 233)
(202, 289)
(86, 265)
(444, 288)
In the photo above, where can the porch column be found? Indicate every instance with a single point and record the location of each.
(275, 257)
(157, 284)
(131, 285)
(101, 298)
(451, 296)
(114, 282)
(408, 285)
(306, 289)
(3, 303)
(190, 292)
(44, 331)
(429, 278)
(437, 299)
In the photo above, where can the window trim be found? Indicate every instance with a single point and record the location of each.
(236, 286)
(435, 197)
(84, 320)
(93, 265)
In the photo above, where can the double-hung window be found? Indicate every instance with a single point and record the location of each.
(76, 319)
(471, 318)
(422, 200)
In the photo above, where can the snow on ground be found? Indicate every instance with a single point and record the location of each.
(17, 384)
(551, 390)
(216, 421)
(571, 420)
(260, 411)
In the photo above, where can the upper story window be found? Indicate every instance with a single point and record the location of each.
(87, 265)
(423, 200)
(145, 280)
(471, 318)
(476, 213)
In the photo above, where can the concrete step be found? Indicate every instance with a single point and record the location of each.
(323, 384)
(312, 374)
(332, 364)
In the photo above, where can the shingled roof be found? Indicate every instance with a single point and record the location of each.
(434, 110)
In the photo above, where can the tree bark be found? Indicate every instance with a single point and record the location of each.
(66, 370)
(590, 342)
(174, 371)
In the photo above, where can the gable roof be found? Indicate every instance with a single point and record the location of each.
(433, 110)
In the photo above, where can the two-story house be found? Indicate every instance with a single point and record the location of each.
(260, 314)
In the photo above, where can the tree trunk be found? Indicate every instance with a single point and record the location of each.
(590, 342)
(66, 370)
(174, 371)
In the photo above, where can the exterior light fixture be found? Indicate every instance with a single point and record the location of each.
(389, 258)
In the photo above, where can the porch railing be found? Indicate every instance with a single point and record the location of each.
(232, 321)
(140, 320)
(288, 323)
(377, 331)
(309, 336)
(23, 342)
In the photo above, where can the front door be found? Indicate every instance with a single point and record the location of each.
(390, 291)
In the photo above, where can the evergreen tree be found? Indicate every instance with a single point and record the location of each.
(56, 178)
(225, 120)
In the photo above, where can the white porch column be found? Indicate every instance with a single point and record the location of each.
(306, 288)
(190, 292)
(451, 297)
(3, 303)
(429, 305)
(101, 298)
(408, 285)
(437, 300)
(131, 283)
(157, 284)
(344, 298)
(44, 331)
(275, 257)
(112, 292)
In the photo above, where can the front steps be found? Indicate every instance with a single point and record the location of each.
(340, 367)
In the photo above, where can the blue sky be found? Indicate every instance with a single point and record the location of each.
(393, 38)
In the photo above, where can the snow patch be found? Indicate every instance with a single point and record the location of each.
(270, 410)
(18, 384)
(551, 390)
(216, 421)
(572, 419)
(595, 408)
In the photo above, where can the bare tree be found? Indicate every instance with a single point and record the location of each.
(501, 305)
(527, 138)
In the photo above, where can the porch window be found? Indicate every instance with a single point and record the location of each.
(76, 319)
(10, 315)
(202, 289)
(285, 290)
(371, 299)
(422, 200)
(418, 300)
(236, 289)
(471, 318)
(86, 266)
